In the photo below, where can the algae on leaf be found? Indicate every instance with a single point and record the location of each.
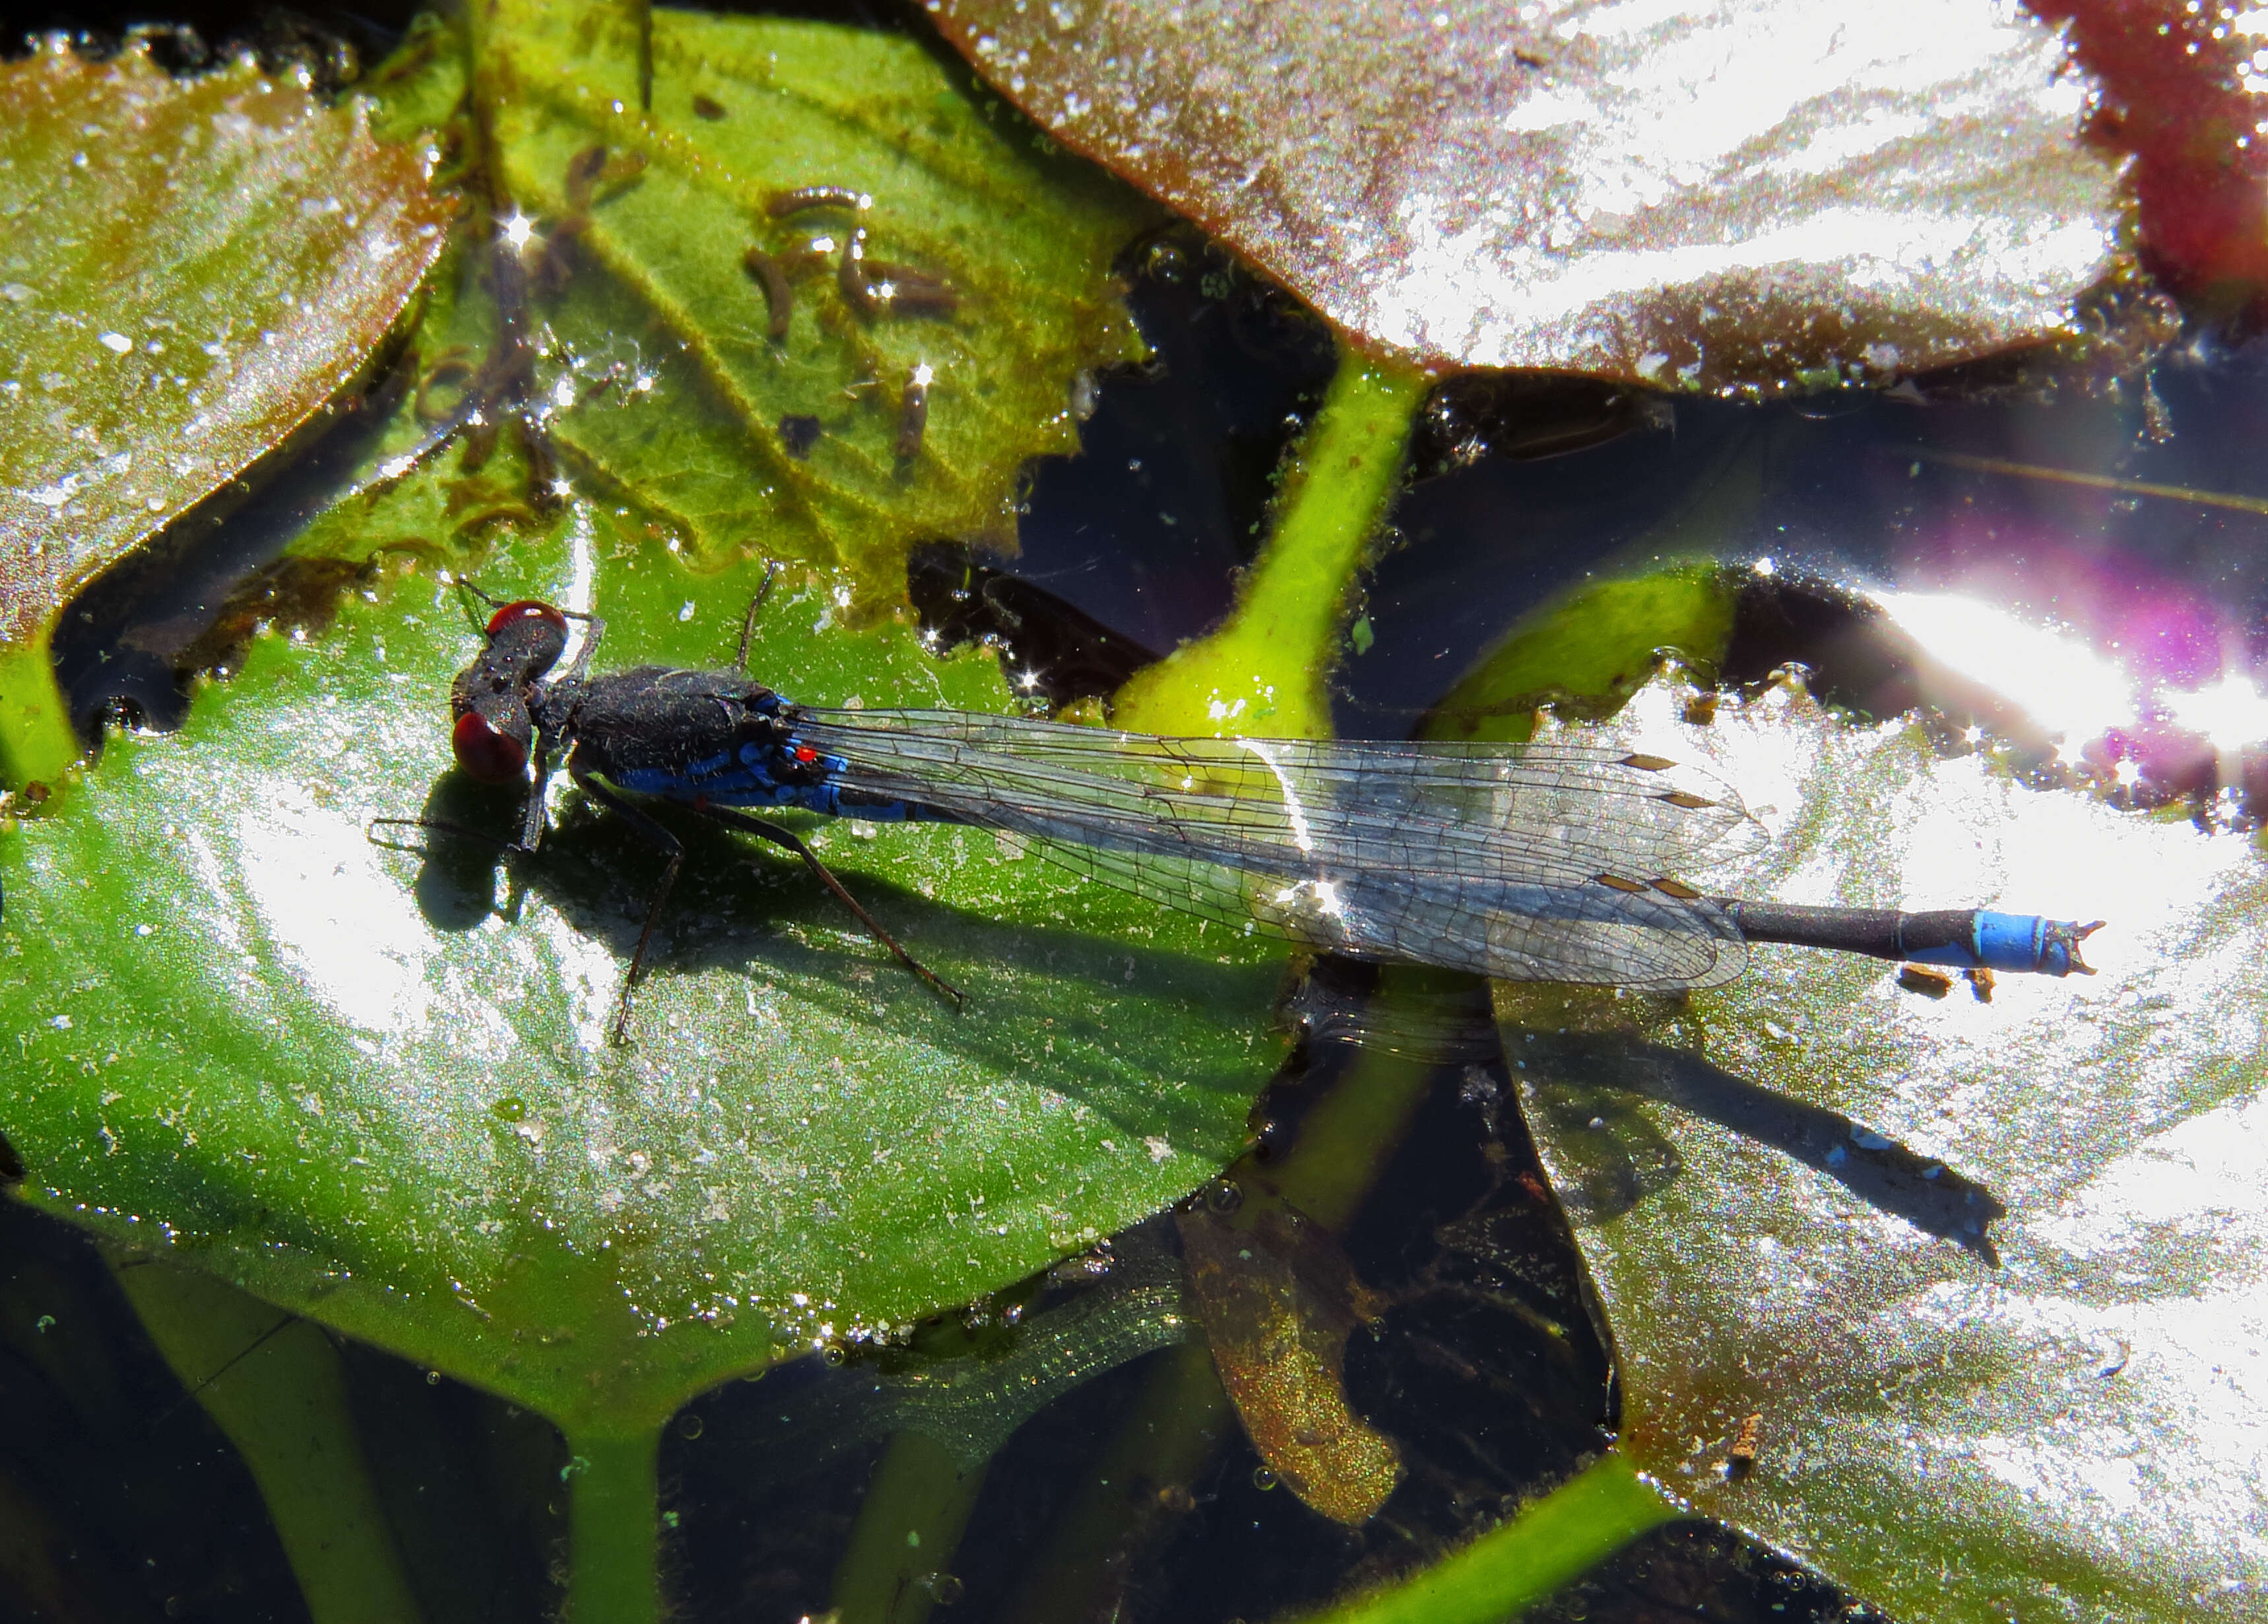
(193, 268)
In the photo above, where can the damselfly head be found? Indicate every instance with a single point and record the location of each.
(492, 698)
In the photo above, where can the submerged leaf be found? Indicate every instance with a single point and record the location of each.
(193, 269)
(1952, 1295)
(1714, 198)
(1279, 1299)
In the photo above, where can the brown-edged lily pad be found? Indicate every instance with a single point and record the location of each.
(193, 269)
(1764, 195)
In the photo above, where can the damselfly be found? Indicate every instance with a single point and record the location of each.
(1549, 861)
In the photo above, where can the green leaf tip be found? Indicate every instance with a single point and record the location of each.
(1547, 1543)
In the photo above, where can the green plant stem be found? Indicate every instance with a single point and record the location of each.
(1512, 1568)
(37, 744)
(1350, 1135)
(1172, 1428)
(1263, 672)
(917, 1503)
(272, 1381)
(613, 1530)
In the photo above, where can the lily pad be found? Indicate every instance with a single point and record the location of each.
(194, 268)
(1763, 197)
(377, 1087)
(824, 297)
(1952, 1295)
(374, 1086)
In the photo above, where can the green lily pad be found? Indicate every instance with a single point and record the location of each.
(1955, 1298)
(374, 1086)
(377, 1088)
(640, 224)
(194, 268)
(1587, 654)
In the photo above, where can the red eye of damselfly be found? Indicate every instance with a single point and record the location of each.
(527, 608)
(486, 754)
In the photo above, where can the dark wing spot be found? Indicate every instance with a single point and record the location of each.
(1648, 764)
(1619, 883)
(1677, 888)
(1687, 799)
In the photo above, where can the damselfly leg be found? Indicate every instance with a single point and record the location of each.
(779, 835)
(657, 835)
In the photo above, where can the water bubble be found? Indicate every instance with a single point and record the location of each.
(1224, 1195)
(945, 1587)
(511, 1108)
(1265, 1478)
(1166, 262)
(690, 1425)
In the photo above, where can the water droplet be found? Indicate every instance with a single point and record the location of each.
(1166, 262)
(1265, 1478)
(947, 1588)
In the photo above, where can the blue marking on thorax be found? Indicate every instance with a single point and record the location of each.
(744, 778)
(749, 781)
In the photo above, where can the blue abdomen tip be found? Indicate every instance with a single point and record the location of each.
(2026, 943)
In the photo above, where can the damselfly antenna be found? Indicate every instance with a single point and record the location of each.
(748, 620)
(465, 583)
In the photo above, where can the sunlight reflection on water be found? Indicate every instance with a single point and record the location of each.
(2230, 714)
(2074, 693)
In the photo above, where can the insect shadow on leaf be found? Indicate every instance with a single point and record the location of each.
(1886, 1175)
